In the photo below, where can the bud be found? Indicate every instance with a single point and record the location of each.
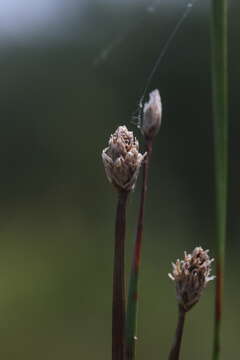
(152, 115)
(191, 276)
(122, 160)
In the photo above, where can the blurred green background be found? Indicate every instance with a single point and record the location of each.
(71, 72)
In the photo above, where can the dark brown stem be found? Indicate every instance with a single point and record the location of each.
(176, 346)
(118, 301)
(218, 308)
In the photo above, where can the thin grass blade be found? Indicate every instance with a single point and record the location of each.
(220, 114)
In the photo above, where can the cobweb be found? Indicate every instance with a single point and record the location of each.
(109, 48)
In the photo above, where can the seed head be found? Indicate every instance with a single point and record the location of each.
(122, 160)
(152, 115)
(191, 276)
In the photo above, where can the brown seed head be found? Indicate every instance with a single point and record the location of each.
(152, 115)
(191, 276)
(122, 160)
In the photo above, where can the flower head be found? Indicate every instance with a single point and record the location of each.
(152, 115)
(122, 160)
(191, 276)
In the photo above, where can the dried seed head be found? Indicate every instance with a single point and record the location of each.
(152, 115)
(191, 276)
(122, 160)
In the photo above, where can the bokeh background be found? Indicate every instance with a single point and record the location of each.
(71, 72)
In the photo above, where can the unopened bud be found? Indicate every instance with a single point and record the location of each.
(122, 160)
(191, 276)
(152, 115)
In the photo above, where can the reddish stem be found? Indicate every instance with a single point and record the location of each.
(133, 287)
(139, 236)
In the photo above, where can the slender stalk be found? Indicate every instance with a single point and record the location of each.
(134, 276)
(118, 301)
(220, 113)
(176, 346)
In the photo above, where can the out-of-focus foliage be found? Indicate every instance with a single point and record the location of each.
(58, 107)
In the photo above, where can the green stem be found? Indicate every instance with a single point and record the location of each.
(118, 301)
(220, 113)
(134, 276)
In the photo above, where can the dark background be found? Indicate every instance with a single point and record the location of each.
(71, 72)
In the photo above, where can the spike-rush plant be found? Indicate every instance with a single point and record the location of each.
(122, 161)
(191, 275)
(220, 115)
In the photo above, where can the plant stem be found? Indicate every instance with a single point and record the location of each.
(176, 346)
(118, 301)
(134, 276)
(220, 113)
